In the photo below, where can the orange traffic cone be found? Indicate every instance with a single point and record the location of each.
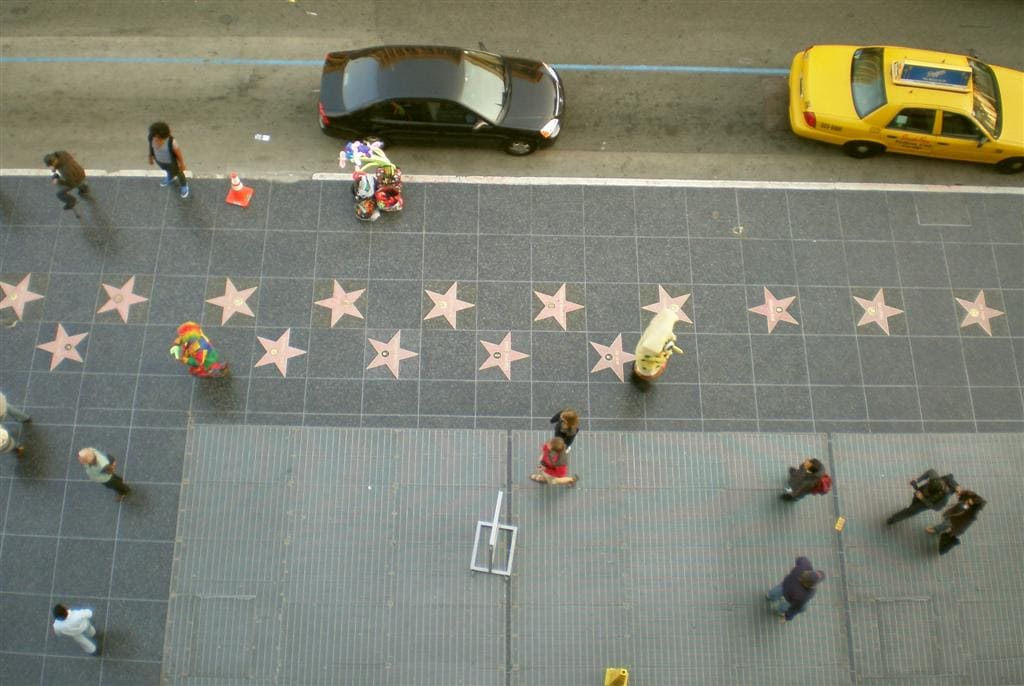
(239, 194)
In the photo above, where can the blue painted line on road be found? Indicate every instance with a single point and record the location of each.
(641, 68)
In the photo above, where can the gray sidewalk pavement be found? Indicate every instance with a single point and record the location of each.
(714, 248)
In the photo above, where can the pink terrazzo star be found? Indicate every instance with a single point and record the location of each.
(278, 352)
(342, 303)
(121, 299)
(390, 354)
(775, 310)
(233, 301)
(501, 355)
(978, 313)
(447, 305)
(612, 357)
(875, 310)
(667, 302)
(16, 297)
(556, 306)
(63, 347)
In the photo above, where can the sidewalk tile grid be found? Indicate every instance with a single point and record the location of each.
(611, 247)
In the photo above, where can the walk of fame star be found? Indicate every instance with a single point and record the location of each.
(501, 355)
(875, 310)
(16, 297)
(63, 347)
(278, 352)
(556, 306)
(612, 357)
(233, 301)
(979, 313)
(667, 302)
(447, 305)
(775, 310)
(342, 303)
(390, 354)
(121, 299)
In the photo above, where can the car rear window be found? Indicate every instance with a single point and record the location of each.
(359, 84)
(867, 80)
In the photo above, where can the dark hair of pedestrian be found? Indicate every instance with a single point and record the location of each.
(570, 420)
(976, 501)
(49, 159)
(60, 612)
(809, 579)
(159, 129)
(816, 465)
(556, 444)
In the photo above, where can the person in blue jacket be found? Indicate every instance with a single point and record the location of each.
(790, 598)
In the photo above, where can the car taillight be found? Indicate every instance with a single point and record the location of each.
(810, 119)
(323, 115)
(550, 130)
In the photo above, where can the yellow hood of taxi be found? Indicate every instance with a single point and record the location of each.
(1011, 92)
(826, 79)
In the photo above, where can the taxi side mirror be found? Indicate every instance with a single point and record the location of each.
(481, 124)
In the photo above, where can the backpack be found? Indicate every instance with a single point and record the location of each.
(824, 485)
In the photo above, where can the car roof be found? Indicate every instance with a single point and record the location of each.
(407, 71)
(923, 95)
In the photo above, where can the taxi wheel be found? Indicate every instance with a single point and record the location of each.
(520, 147)
(862, 149)
(1011, 165)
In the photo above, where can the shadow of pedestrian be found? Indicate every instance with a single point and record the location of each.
(98, 226)
(642, 385)
(220, 394)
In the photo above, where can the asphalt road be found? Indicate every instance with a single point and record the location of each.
(618, 124)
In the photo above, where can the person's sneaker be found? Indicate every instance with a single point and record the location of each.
(83, 190)
(70, 204)
(184, 191)
(168, 180)
(20, 451)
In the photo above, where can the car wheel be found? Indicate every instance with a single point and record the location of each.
(1011, 165)
(862, 149)
(520, 146)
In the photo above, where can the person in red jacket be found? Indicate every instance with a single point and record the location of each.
(554, 465)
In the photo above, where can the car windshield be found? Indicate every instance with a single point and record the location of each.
(483, 84)
(986, 97)
(866, 79)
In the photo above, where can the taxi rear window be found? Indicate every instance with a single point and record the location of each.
(867, 80)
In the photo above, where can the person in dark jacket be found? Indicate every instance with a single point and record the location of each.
(931, 492)
(957, 519)
(554, 465)
(67, 174)
(803, 479)
(567, 425)
(790, 598)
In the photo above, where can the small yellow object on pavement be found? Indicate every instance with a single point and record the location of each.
(616, 676)
(840, 523)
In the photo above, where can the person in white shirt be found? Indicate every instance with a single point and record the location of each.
(75, 623)
(99, 467)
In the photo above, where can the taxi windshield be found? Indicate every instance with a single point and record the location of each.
(986, 98)
(866, 78)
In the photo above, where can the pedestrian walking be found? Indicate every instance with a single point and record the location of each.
(67, 174)
(956, 519)
(567, 425)
(165, 152)
(8, 444)
(194, 350)
(76, 624)
(554, 465)
(8, 410)
(931, 492)
(790, 598)
(100, 468)
(809, 477)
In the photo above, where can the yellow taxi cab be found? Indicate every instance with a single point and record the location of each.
(919, 102)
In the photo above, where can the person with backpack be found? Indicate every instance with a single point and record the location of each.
(809, 477)
(931, 492)
(790, 597)
(956, 519)
(67, 174)
(165, 152)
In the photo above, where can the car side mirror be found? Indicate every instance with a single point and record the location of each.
(481, 124)
(982, 140)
